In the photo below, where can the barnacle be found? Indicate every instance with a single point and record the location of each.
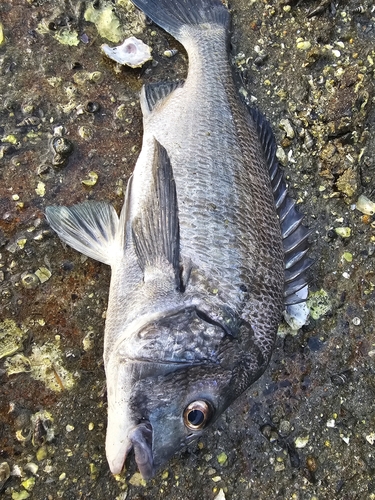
(11, 338)
(29, 280)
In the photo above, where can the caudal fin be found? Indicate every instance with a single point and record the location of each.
(172, 15)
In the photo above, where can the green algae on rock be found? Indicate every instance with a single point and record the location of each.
(11, 338)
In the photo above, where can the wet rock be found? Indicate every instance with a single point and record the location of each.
(347, 183)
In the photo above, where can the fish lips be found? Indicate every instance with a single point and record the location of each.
(141, 439)
(153, 446)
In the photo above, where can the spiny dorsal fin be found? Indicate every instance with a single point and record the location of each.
(156, 92)
(156, 229)
(294, 234)
(91, 227)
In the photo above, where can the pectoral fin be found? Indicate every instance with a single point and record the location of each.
(92, 228)
(156, 228)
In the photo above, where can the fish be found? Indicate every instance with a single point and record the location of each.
(206, 254)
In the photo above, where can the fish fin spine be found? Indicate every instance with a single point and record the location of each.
(294, 234)
(153, 93)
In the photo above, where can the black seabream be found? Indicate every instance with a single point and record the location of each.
(207, 252)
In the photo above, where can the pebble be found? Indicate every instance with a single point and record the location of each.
(29, 483)
(222, 458)
(43, 274)
(33, 468)
(305, 45)
(4, 472)
(347, 256)
(40, 189)
(137, 480)
(344, 232)
(365, 205)
(281, 156)
(301, 442)
(92, 180)
(41, 453)
(287, 126)
(220, 495)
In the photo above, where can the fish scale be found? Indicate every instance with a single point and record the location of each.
(210, 184)
(198, 254)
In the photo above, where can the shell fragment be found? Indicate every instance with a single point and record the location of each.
(132, 52)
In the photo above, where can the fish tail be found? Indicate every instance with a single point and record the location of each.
(173, 15)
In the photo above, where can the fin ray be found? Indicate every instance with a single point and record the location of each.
(90, 227)
(156, 229)
(297, 270)
(294, 234)
(171, 15)
(152, 93)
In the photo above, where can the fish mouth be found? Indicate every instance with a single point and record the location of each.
(148, 455)
(141, 440)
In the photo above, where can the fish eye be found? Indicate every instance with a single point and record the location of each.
(197, 415)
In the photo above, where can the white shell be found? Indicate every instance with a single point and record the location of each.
(170, 52)
(132, 52)
(297, 315)
(365, 205)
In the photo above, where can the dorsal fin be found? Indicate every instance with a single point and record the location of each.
(294, 234)
(156, 92)
(156, 228)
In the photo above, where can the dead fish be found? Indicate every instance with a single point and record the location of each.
(205, 255)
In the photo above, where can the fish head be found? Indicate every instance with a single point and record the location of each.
(164, 413)
(158, 405)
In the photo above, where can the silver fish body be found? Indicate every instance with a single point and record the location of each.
(207, 251)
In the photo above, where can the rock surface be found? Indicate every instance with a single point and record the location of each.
(68, 115)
